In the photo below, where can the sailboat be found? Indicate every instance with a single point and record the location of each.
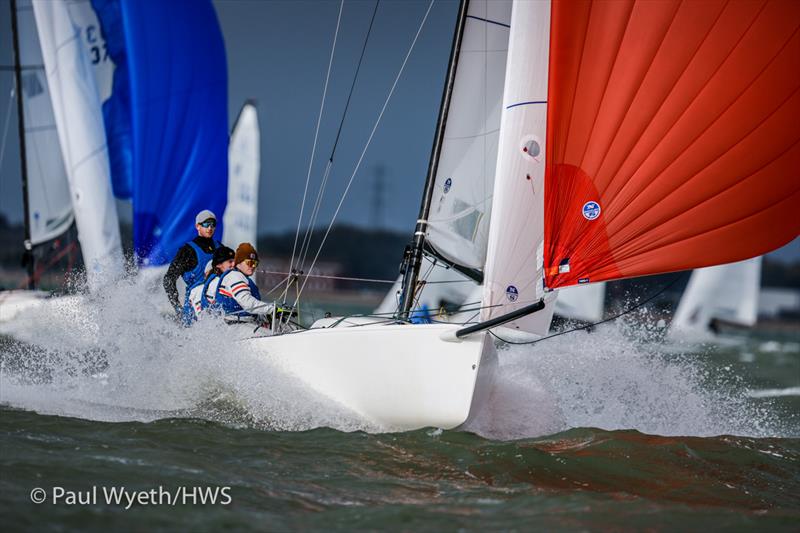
(87, 65)
(723, 294)
(64, 163)
(635, 138)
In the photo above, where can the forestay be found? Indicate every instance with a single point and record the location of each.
(460, 208)
(81, 132)
(672, 136)
(244, 163)
(513, 276)
(49, 202)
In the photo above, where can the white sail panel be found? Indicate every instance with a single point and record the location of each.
(244, 165)
(582, 302)
(84, 18)
(81, 132)
(513, 277)
(458, 223)
(49, 202)
(727, 293)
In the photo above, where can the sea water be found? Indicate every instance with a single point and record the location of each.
(612, 429)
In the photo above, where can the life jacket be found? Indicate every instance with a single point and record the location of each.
(194, 277)
(228, 304)
(205, 303)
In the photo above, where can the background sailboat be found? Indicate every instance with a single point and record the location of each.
(244, 167)
(724, 294)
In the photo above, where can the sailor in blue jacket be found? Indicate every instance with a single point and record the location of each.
(190, 262)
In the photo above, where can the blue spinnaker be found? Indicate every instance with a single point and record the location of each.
(166, 120)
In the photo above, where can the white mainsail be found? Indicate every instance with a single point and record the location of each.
(49, 201)
(458, 222)
(513, 275)
(244, 164)
(726, 292)
(81, 131)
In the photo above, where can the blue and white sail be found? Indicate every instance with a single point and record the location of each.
(81, 133)
(167, 123)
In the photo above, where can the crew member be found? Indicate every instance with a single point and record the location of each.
(190, 263)
(237, 295)
(202, 294)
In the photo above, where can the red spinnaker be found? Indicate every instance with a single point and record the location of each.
(679, 122)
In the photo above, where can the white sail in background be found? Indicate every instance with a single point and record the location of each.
(81, 131)
(244, 165)
(513, 277)
(49, 201)
(582, 302)
(727, 293)
(458, 223)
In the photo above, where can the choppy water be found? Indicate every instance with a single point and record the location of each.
(610, 431)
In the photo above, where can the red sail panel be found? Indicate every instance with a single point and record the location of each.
(673, 135)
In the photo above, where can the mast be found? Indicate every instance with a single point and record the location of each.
(23, 152)
(415, 253)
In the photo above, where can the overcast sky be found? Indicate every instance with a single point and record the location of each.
(278, 52)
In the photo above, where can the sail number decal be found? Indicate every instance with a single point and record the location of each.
(591, 210)
(98, 50)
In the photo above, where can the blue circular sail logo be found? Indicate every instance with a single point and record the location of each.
(447, 184)
(512, 293)
(591, 210)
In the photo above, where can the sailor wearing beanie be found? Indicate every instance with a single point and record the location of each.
(237, 295)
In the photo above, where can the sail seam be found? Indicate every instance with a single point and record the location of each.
(635, 94)
(756, 78)
(689, 104)
(661, 105)
(503, 24)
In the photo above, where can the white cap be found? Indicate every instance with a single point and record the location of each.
(204, 215)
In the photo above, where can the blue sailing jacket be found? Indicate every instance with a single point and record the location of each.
(194, 277)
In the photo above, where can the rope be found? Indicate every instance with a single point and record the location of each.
(369, 140)
(316, 134)
(588, 326)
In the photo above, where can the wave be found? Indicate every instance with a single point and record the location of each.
(116, 357)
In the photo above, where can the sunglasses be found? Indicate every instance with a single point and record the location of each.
(209, 224)
(252, 263)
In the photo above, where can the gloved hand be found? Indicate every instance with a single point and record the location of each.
(286, 311)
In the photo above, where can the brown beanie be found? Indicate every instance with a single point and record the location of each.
(245, 251)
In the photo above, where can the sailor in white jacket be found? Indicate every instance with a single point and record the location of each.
(237, 294)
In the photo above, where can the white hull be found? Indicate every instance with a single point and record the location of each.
(399, 377)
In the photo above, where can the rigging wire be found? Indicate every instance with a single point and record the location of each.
(321, 192)
(5, 127)
(369, 140)
(316, 136)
